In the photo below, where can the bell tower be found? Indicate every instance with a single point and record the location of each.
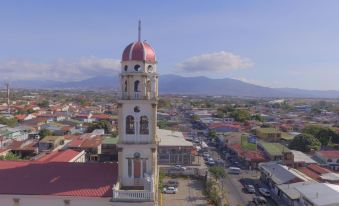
(137, 124)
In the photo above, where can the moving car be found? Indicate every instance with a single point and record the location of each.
(265, 192)
(234, 170)
(170, 190)
(250, 188)
(259, 200)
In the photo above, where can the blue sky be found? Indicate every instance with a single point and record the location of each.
(270, 43)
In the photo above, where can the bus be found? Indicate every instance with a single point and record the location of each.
(234, 170)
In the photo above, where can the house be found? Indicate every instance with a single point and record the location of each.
(67, 155)
(50, 143)
(24, 149)
(318, 194)
(320, 174)
(220, 127)
(288, 193)
(109, 150)
(297, 159)
(31, 183)
(88, 142)
(268, 134)
(274, 174)
(273, 151)
(249, 157)
(329, 158)
(174, 148)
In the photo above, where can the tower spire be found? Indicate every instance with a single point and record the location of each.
(139, 31)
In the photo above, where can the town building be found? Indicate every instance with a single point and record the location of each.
(138, 140)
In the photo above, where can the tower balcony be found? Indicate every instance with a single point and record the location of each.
(138, 96)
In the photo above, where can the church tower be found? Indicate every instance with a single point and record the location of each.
(137, 124)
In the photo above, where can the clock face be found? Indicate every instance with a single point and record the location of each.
(150, 68)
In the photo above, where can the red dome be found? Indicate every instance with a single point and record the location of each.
(139, 51)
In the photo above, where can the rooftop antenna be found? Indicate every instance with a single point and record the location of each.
(139, 31)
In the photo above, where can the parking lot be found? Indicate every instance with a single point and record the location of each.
(190, 193)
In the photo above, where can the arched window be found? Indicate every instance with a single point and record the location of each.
(136, 67)
(129, 167)
(143, 125)
(125, 89)
(129, 124)
(136, 86)
(125, 68)
(329, 160)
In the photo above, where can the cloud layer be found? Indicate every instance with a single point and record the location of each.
(215, 63)
(60, 70)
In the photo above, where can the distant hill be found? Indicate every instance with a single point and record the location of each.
(173, 84)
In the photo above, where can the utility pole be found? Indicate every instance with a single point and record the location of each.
(8, 98)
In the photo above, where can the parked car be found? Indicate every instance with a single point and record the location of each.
(250, 188)
(172, 183)
(206, 154)
(210, 162)
(265, 192)
(259, 200)
(170, 190)
(179, 168)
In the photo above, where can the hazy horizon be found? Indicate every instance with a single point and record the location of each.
(275, 44)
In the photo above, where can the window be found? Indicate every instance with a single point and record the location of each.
(136, 67)
(129, 167)
(136, 109)
(129, 124)
(337, 160)
(143, 125)
(125, 68)
(136, 86)
(329, 160)
(150, 68)
(125, 89)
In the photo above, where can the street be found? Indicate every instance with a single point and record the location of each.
(234, 185)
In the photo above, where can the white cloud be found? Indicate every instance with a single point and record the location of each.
(60, 70)
(213, 63)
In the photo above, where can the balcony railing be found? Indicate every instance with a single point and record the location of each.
(132, 195)
(137, 96)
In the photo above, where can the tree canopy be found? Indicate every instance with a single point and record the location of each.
(103, 124)
(305, 143)
(323, 134)
(11, 122)
(241, 115)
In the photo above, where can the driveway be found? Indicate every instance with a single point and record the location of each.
(190, 193)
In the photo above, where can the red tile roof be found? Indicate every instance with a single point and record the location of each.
(59, 156)
(248, 155)
(223, 125)
(310, 173)
(57, 178)
(318, 169)
(329, 154)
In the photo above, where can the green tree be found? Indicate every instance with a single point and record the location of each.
(212, 134)
(195, 117)
(10, 156)
(217, 172)
(103, 124)
(164, 103)
(241, 115)
(43, 104)
(323, 134)
(11, 122)
(305, 143)
(44, 133)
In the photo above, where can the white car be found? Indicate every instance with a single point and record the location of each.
(179, 167)
(170, 190)
(265, 192)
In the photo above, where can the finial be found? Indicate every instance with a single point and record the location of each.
(139, 31)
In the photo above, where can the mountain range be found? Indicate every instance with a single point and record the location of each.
(173, 84)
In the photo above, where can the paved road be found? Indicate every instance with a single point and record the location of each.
(189, 194)
(234, 184)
